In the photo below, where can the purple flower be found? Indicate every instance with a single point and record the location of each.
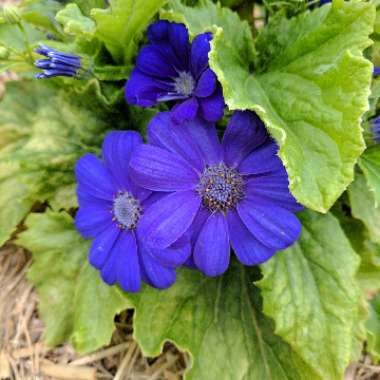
(57, 63)
(376, 129)
(376, 71)
(234, 192)
(169, 68)
(111, 209)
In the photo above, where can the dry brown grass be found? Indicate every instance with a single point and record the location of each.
(23, 355)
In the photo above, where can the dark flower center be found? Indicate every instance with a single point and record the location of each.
(184, 84)
(126, 210)
(220, 187)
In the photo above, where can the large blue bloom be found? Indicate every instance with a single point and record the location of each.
(234, 192)
(170, 68)
(111, 209)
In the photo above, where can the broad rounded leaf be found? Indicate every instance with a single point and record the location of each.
(70, 291)
(311, 292)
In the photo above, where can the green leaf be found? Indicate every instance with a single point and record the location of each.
(75, 23)
(19, 42)
(363, 207)
(311, 292)
(220, 323)
(121, 24)
(206, 17)
(41, 13)
(87, 5)
(75, 304)
(42, 136)
(369, 271)
(309, 83)
(370, 164)
(373, 329)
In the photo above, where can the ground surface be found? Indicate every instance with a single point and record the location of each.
(23, 355)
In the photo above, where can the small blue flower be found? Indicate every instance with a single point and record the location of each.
(111, 209)
(169, 68)
(57, 63)
(234, 192)
(376, 71)
(376, 129)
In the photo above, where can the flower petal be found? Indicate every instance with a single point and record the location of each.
(200, 48)
(155, 274)
(186, 110)
(199, 221)
(162, 132)
(94, 178)
(212, 248)
(144, 90)
(155, 61)
(262, 160)
(87, 200)
(174, 255)
(212, 108)
(127, 262)
(118, 147)
(102, 245)
(157, 169)
(273, 226)
(158, 31)
(179, 39)
(122, 265)
(245, 132)
(247, 248)
(205, 136)
(271, 189)
(167, 220)
(91, 221)
(206, 84)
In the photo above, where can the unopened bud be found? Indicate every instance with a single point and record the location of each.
(11, 14)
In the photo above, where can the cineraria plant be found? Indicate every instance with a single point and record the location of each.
(214, 166)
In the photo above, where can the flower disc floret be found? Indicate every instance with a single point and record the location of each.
(220, 187)
(126, 210)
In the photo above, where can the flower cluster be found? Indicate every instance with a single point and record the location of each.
(184, 197)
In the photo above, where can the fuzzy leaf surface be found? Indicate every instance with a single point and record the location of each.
(311, 292)
(363, 207)
(370, 164)
(220, 323)
(75, 304)
(40, 142)
(373, 329)
(121, 24)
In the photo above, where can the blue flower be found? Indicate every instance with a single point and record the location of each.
(376, 71)
(376, 129)
(234, 192)
(57, 63)
(111, 209)
(169, 68)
